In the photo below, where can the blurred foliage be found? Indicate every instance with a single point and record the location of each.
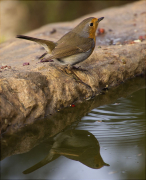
(44, 12)
(19, 17)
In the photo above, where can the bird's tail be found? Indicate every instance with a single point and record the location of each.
(48, 45)
(36, 166)
(28, 38)
(50, 157)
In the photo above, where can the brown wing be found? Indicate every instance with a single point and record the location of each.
(67, 49)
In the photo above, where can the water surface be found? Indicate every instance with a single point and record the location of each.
(106, 141)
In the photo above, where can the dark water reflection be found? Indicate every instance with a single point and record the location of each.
(108, 130)
(79, 145)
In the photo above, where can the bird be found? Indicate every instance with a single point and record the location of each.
(78, 145)
(74, 47)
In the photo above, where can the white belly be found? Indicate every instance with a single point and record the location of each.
(74, 59)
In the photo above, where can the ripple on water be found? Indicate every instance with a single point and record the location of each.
(122, 121)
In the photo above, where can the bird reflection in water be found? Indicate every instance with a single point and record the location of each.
(78, 145)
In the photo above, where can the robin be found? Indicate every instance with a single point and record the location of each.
(75, 46)
(78, 145)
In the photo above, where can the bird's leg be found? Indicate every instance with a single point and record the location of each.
(42, 55)
(46, 60)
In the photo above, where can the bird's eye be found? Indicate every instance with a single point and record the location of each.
(97, 165)
(91, 24)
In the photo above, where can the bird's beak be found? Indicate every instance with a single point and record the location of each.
(100, 19)
(105, 164)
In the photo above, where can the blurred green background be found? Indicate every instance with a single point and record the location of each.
(19, 17)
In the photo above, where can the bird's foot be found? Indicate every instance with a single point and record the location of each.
(79, 68)
(64, 68)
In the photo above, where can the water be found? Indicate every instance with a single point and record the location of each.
(106, 141)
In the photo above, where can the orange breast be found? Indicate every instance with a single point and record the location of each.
(92, 29)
